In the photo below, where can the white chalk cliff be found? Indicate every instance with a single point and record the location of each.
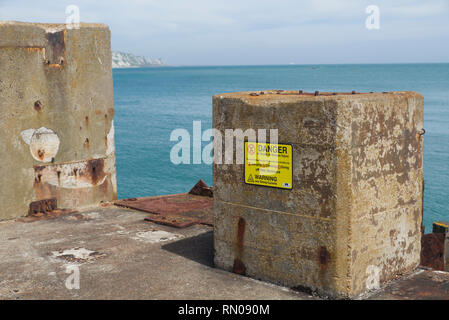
(128, 60)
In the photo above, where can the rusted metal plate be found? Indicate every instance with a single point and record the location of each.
(43, 206)
(172, 220)
(201, 189)
(183, 207)
(44, 209)
(440, 227)
(423, 285)
(432, 250)
(183, 204)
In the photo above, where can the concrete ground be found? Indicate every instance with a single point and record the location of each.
(119, 256)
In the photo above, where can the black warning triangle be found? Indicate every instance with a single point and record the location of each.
(250, 178)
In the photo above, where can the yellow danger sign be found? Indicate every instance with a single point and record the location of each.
(268, 164)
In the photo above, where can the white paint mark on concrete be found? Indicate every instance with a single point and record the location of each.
(43, 142)
(76, 254)
(110, 140)
(438, 271)
(53, 29)
(26, 135)
(92, 215)
(155, 236)
(51, 241)
(119, 232)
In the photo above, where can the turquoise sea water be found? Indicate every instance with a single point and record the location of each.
(151, 102)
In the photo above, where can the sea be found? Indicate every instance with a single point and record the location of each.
(151, 102)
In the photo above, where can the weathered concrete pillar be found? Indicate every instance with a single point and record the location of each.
(352, 214)
(56, 122)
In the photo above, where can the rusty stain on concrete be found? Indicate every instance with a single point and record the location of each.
(239, 266)
(357, 174)
(324, 257)
(75, 184)
(72, 175)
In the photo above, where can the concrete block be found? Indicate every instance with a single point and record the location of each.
(354, 211)
(56, 123)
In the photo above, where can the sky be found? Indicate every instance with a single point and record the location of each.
(259, 32)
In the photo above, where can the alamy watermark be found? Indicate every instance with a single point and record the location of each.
(73, 280)
(189, 148)
(72, 16)
(372, 22)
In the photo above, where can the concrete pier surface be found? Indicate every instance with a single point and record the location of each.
(120, 256)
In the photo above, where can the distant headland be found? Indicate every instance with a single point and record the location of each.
(128, 60)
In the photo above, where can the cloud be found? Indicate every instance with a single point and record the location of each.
(263, 31)
(421, 9)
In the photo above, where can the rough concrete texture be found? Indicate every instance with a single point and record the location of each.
(57, 116)
(354, 213)
(119, 256)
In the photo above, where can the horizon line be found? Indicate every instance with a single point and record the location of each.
(281, 65)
